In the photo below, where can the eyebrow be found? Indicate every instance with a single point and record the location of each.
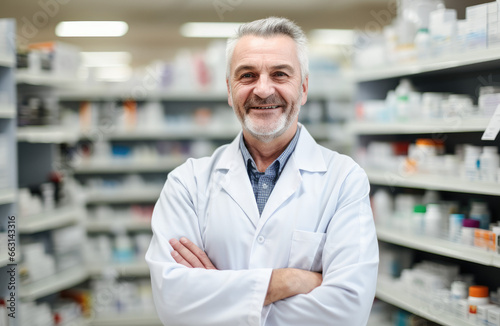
(277, 67)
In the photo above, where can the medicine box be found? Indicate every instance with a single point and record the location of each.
(494, 317)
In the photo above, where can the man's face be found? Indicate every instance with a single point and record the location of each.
(265, 88)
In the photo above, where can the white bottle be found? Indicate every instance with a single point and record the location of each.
(433, 220)
(423, 44)
(489, 162)
(383, 206)
(403, 99)
(479, 212)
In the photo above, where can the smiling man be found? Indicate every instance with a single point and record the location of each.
(272, 229)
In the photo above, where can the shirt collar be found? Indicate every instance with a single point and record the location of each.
(282, 159)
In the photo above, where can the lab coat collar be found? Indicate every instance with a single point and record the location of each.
(307, 157)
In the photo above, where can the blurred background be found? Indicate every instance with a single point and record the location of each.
(100, 100)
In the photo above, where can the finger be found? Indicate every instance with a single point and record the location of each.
(186, 254)
(200, 254)
(178, 258)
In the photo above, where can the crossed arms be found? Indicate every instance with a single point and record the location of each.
(284, 282)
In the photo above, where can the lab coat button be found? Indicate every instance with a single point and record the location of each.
(264, 186)
(260, 239)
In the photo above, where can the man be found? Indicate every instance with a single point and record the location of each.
(272, 229)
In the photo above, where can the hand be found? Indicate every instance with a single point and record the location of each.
(287, 282)
(188, 254)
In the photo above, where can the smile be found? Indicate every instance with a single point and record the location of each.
(265, 107)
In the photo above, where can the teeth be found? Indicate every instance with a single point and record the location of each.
(268, 107)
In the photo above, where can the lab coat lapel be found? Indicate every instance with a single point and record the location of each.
(236, 182)
(307, 156)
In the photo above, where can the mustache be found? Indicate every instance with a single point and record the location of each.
(257, 101)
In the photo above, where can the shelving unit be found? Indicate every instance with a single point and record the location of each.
(432, 182)
(51, 220)
(130, 224)
(47, 134)
(129, 166)
(145, 194)
(7, 196)
(53, 284)
(133, 269)
(456, 74)
(390, 292)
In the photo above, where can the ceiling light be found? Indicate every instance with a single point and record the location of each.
(332, 36)
(210, 30)
(105, 59)
(91, 29)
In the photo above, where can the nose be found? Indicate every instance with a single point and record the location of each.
(264, 87)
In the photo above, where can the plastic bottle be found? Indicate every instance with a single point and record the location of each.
(478, 295)
(433, 220)
(455, 227)
(468, 228)
(488, 164)
(479, 212)
(403, 99)
(458, 292)
(423, 43)
(382, 206)
(418, 219)
(471, 158)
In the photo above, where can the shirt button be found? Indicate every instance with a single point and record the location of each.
(264, 186)
(260, 239)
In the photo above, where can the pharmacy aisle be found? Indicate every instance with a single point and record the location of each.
(434, 176)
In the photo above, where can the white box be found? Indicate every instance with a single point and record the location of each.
(494, 317)
(477, 11)
(482, 313)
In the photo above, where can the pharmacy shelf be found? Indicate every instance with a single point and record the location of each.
(7, 196)
(174, 133)
(44, 79)
(133, 269)
(129, 223)
(128, 166)
(103, 93)
(141, 194)
(390, 292)
(47, 134)
(7, 111)
(429, 126)
(127, 319)
(56, 218)
(438, 246)
(457, 62)
(432, 182)
(53, 284)
(7, 60)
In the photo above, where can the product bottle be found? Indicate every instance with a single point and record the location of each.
(468, 228)
(433, 220)
(479, 212)
(458, 292)
(455, 227)
(478, 295)
(423, 44)
(488, 164)
(383, 206)
(403, 99)
(418, 219)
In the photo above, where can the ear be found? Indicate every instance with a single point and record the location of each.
(305, 89)
(229, 99)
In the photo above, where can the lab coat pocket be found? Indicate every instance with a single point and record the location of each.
(306, 250)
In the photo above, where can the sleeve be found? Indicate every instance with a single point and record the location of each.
(350, 265)
(195, 296)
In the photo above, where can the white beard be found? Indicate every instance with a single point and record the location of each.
(269, 131)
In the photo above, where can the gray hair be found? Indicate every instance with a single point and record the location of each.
(271, 26)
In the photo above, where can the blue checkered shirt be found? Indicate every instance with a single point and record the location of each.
(263, 182)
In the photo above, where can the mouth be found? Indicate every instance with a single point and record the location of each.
(269, 107)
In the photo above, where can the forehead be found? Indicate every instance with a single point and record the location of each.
(256, 50)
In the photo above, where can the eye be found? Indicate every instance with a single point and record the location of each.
(280, 74)
(246, 75)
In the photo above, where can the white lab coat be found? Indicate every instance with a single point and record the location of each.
(317, 218)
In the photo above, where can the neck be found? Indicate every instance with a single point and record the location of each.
(265, 153)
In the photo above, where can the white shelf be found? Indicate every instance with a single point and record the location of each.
(141, 194)
(419, 126)
(175, 133)
(44, 79)
(7, 196)
(143, 319)
(47, 134)
(127, 166)
(130, 224)
(438, 246)
(7, 60)
(390, 293)
(455, 61)
(134, 269)
(52, 284)
(50, 220)
(432, 182)
(7, 111)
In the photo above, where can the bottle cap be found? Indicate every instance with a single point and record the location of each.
(478, 291)
(470, 223)
(419, 209)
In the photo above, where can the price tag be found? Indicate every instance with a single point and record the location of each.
(493, 128)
